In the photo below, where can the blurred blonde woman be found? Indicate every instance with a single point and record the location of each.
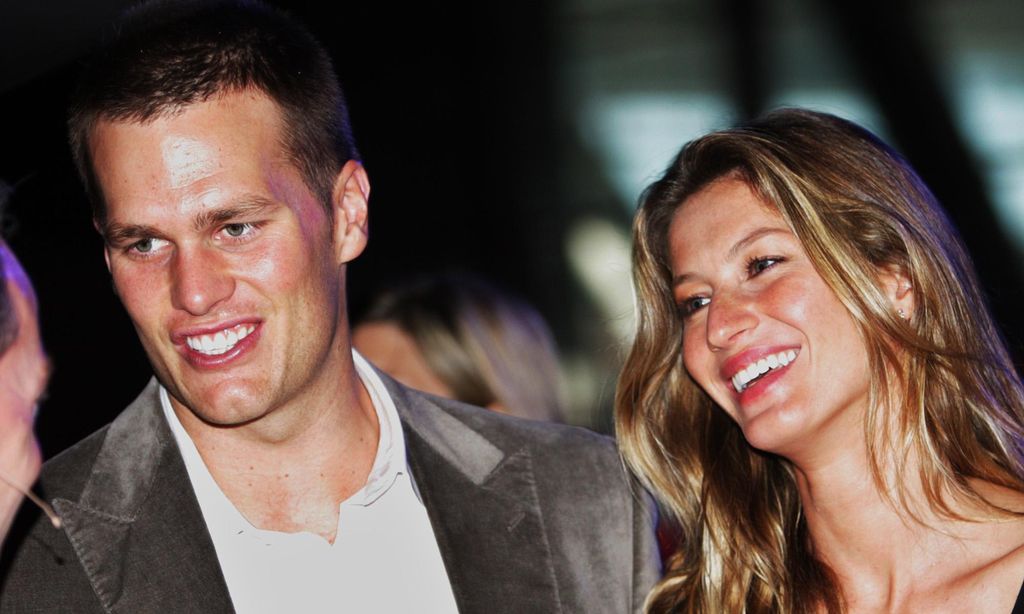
(460, 337)
(817, 391)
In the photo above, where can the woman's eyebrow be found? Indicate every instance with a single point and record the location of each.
(753, 236)
(738, 246)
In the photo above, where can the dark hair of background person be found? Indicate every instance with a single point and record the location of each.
(196, 50)
(942, 385)
(8, 317)
(487, 346)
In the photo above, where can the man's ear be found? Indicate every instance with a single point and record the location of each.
(349, 201)
(899, 289)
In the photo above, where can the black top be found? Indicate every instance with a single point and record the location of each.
(1018, 607)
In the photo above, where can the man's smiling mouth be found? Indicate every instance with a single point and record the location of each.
(220, 342)
(755, 371)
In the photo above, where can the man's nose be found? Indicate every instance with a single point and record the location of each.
(730, 316)
(200, 280)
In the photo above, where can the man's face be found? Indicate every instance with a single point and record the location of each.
(230, 269)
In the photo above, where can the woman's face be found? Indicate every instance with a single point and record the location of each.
(763, 334)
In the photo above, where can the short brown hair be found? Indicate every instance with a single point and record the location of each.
(167, 55)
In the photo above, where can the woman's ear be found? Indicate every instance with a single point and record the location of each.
(899, 289)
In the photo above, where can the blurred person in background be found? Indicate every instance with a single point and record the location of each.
(460, 337)
(816, 389)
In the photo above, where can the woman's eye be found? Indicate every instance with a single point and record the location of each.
(759, 265)
(692, 305)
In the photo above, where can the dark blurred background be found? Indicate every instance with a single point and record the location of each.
(511, 139)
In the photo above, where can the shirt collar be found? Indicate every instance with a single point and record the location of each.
(388, 464)
(390, 460)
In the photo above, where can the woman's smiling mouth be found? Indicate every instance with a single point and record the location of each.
(758, 369)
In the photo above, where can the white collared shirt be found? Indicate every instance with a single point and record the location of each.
(384, 558)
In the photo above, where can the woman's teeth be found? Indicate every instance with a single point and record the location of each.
(752, 372)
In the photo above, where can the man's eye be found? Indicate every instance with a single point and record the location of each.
(692, 305)
(145, 246)
(239, 230)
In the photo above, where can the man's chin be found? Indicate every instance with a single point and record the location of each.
(224, 408)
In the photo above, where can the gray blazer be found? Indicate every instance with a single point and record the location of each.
(529, 517)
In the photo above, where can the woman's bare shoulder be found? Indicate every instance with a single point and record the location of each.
(985, 571)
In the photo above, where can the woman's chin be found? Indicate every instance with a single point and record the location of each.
(775, 432)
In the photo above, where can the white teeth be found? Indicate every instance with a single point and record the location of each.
(221, 341)
(745, 376)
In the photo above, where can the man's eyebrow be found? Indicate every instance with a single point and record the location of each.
(114, 233)
(247, 206)
(738, 246)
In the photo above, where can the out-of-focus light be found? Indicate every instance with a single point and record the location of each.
(599, 255)
(637, 135)
(989, 100)
(988, 97)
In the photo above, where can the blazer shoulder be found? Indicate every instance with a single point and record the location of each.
(514, 428)
(598, 520)
(556, 449)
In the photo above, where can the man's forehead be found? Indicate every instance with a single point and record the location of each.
(189, 160)
(238, 108)
(237, 131)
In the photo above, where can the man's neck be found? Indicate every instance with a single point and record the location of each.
(293, 478)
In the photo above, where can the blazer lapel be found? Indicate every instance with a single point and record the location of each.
(483, 506)
(137, 528)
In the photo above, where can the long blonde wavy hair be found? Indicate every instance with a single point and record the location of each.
(943, 388)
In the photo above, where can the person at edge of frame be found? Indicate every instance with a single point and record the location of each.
(24, 372)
